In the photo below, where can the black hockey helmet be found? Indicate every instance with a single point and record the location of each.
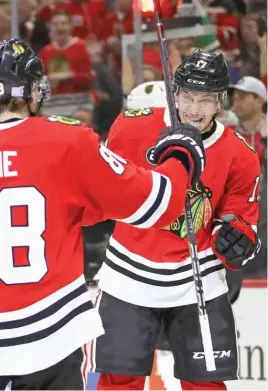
(203, 71)
(20, 70)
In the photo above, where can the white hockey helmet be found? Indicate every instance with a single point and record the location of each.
(149, 94)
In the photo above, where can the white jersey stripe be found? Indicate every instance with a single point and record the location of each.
(44, 303)
(159, 277)
(141, 281)
(46, 327)
(47, 322)
(156, 265)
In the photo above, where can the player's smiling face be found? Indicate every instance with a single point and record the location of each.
(197, 108)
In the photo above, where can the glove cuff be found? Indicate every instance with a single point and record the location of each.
(184, 156)
(235, 243)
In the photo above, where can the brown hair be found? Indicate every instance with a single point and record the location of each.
(12, 104)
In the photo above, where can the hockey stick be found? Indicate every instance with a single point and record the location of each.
(202, 311)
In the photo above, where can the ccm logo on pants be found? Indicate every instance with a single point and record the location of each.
(217, 354)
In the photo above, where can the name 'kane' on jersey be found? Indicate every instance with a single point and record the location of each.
(152, 267)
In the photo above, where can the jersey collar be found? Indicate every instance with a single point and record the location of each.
(10, 124)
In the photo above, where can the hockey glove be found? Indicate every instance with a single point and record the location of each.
(184, 143)
(235, 243)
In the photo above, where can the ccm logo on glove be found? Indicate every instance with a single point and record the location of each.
(191, 142)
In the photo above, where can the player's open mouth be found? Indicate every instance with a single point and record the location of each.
(194, 120)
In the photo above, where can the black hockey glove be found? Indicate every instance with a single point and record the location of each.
(235, 243)
(184, 143)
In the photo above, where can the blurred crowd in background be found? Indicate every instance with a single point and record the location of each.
(80, 43)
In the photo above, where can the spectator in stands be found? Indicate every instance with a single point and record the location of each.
(152, 68)
(114, 24)
(253, 47)
(87, 15)
(66, 58)
(78, 9)
(222, 13)
(26, 11)
(81, 22)
(152, 65)
(5, 21)
(117, 22)
(249, 98)
(46, 10)
(83, 115)
(227, 118)
(97, 10)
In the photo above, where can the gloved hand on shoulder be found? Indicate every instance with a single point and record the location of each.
(185, 144)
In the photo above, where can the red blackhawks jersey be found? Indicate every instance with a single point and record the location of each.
(152, 267)
(55, 177)
(72, 58)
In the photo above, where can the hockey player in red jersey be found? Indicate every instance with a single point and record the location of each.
(55, 176)
(147, 276)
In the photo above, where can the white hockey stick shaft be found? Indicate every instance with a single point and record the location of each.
(207, 343)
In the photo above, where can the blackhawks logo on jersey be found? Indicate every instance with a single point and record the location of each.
(133, 113)
(201, 213)
(64, 120)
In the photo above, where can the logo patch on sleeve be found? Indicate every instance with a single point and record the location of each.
(133, 113)
(237, 134)
(64, 120)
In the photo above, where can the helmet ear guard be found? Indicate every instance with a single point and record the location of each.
(43, 90)
(222, 98)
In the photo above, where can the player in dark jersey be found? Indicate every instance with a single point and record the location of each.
(55, 176)
(147, 276)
